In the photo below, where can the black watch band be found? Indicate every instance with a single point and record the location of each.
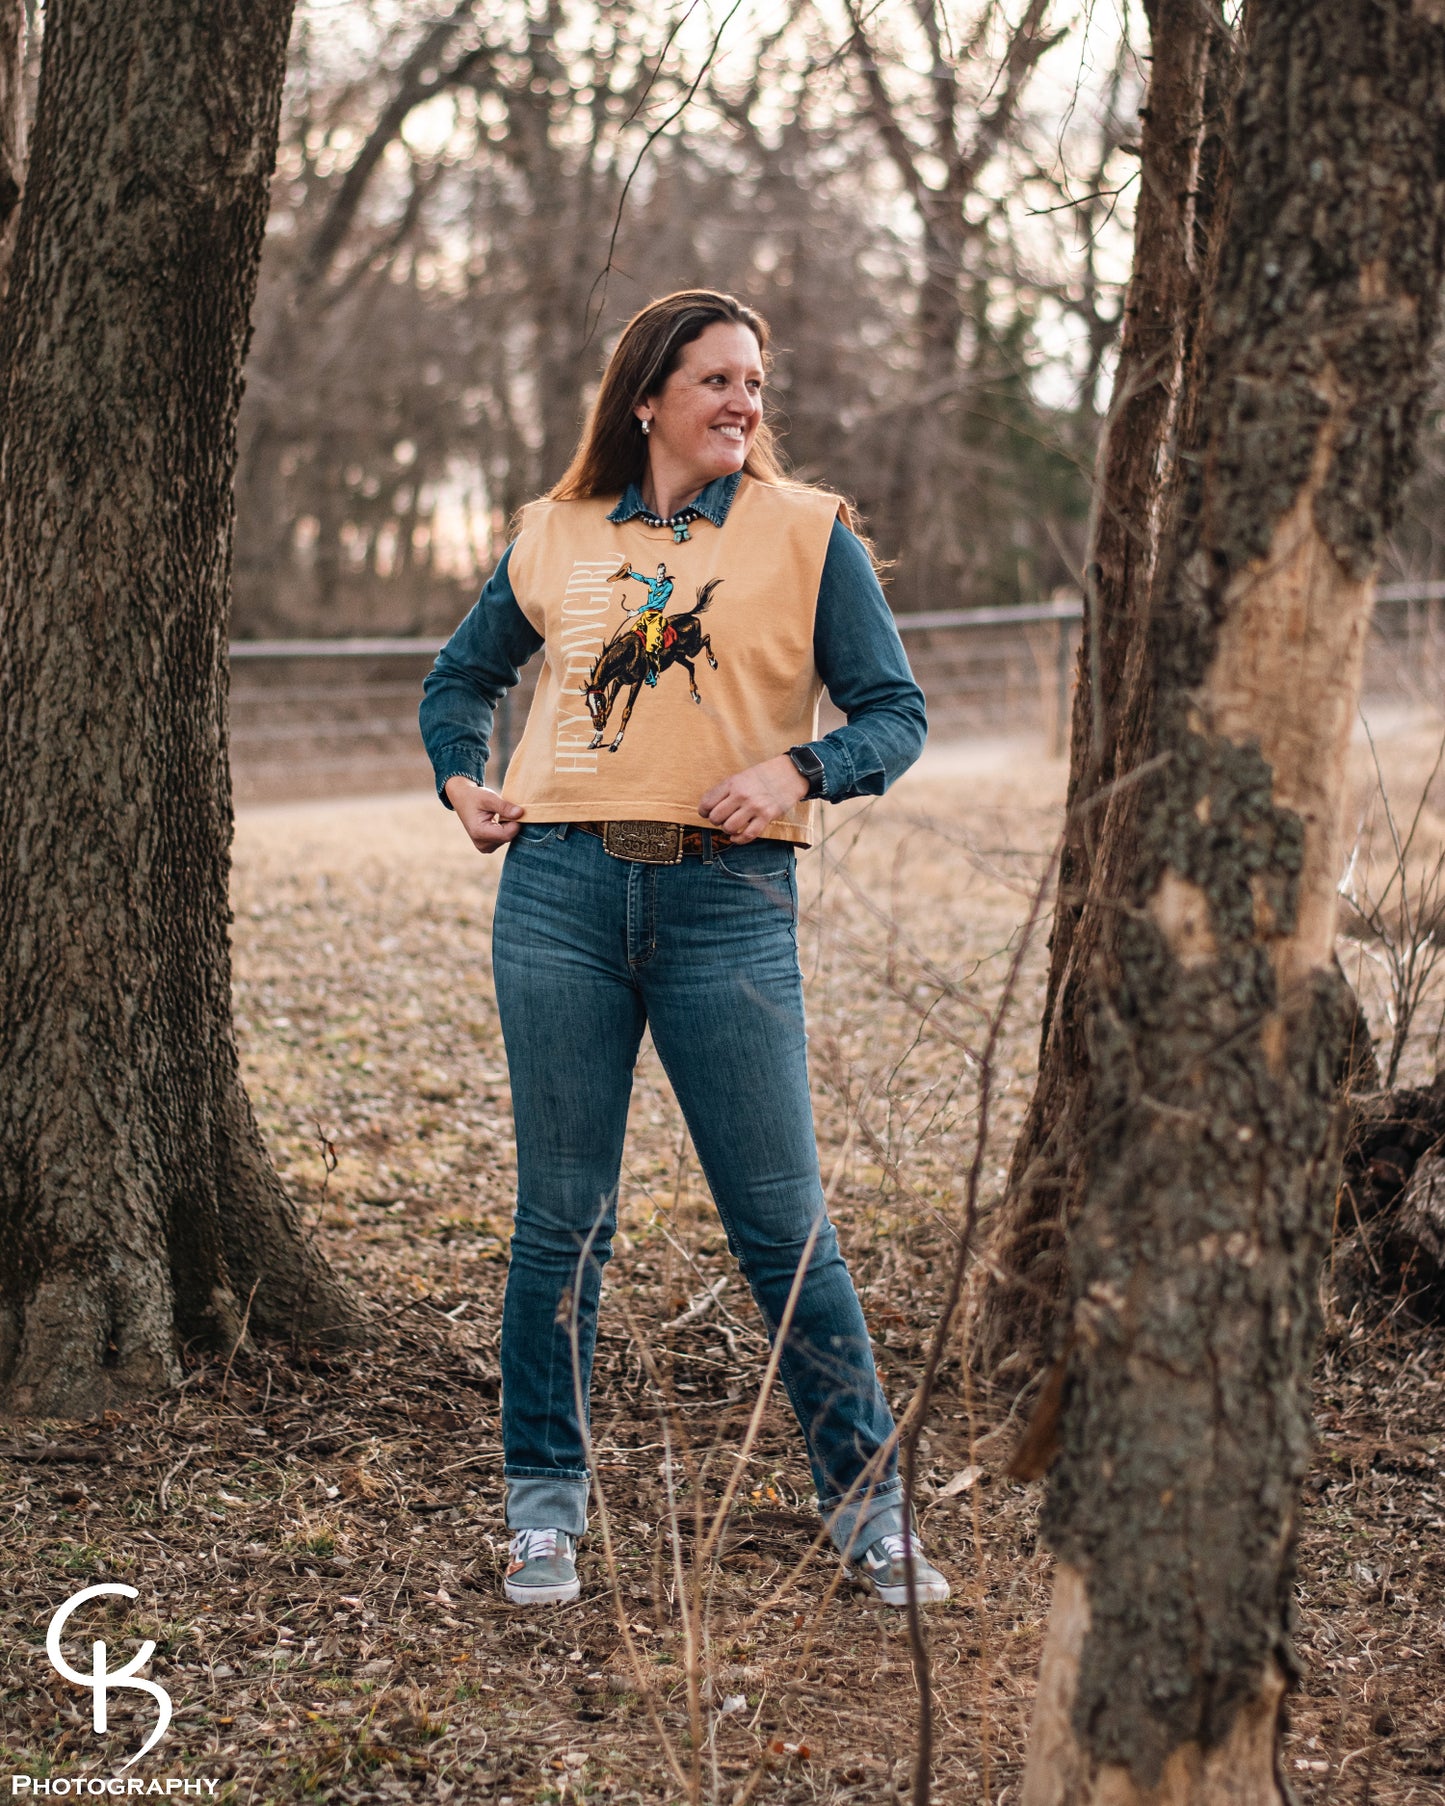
(810, 766)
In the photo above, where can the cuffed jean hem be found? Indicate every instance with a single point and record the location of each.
(547, 1502)
(864, 1518)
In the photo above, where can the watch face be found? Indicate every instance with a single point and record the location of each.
(809, 766)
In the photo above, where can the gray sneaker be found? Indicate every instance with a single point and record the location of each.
(883, 1569)
(543, 1570)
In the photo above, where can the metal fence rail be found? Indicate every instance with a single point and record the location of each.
(311, 715)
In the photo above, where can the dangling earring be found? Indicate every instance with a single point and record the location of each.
(646, 428)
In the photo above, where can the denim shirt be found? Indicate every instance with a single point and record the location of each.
(856, 649)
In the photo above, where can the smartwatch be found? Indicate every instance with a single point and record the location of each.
(811, 767)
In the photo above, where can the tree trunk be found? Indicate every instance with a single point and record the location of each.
(1218, 1021)
(12, 128)
(138, 1209)
(1183, 184)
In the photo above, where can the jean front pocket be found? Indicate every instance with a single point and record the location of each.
(536, 833)
(764, 869)
(759, 862)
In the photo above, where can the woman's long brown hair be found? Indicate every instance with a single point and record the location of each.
(613, 452)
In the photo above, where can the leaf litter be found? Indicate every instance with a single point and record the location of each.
(317, 1539)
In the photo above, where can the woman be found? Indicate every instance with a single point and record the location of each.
(649, 882)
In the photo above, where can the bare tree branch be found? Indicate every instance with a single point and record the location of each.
(1027, 45)
(597, 299)
(418, 80)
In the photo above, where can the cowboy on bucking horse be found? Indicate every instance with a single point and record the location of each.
(637, 652)
(649, 613)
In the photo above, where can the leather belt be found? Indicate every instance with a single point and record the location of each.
(654, 842)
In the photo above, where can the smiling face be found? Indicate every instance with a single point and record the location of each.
(706, 415)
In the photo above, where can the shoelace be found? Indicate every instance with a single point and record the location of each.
(534, 1545)
(896, 1548)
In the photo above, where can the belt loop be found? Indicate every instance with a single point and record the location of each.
(564, 828)
(707, 846)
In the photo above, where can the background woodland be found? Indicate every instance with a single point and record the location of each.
(468, 203)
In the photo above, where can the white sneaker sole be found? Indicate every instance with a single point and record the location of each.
(562, 1594)
(932, 1593)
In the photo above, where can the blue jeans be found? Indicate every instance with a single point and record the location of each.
(587, 950)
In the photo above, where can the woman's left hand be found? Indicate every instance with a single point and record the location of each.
(746, 804)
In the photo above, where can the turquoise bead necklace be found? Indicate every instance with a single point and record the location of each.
(678, 522)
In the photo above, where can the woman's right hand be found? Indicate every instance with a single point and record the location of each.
(488, 820)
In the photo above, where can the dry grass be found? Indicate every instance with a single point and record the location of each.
(317, 1543)
(1392, 937)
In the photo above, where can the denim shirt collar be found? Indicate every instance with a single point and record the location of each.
(711, 504)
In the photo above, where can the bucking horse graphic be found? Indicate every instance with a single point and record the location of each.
(642, 649)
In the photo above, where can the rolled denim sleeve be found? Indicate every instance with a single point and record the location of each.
(864, 668)
(473, 671)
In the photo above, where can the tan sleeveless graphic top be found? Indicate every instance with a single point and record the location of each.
(667, 667)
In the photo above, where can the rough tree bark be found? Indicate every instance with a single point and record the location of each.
(1184, 183)
(138, 1209)
(1218, 1021)
(12, 128)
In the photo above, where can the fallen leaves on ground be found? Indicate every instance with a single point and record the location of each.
(317, 1540)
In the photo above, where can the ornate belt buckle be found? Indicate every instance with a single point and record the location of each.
(648, 842)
